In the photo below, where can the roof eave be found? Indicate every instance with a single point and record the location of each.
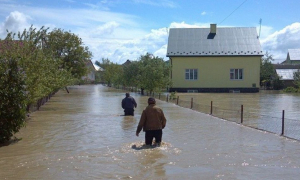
(240, 55)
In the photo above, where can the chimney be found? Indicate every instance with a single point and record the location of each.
(213, 28)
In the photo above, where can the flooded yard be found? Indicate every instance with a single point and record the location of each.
(266, 110)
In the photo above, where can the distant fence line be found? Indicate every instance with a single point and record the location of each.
(283, 126)
(36, 106)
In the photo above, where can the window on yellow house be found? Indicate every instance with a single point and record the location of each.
(236, 74)
(191, 74)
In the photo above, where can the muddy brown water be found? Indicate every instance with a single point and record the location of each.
(82, 135)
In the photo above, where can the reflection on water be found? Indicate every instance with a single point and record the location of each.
(83, 135)
(129, 122)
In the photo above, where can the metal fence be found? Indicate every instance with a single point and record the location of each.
(289, 128)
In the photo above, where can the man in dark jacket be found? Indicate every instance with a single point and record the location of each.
(152, 122)
(128, 103)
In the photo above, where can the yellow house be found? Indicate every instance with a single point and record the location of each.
(214, 59)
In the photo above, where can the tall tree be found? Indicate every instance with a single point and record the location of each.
(29, 71)
(44, 72)
(154, 73)
(267, 71)
(70, 49)
(112, 72)
(117, 74)
(12, 91)
(297, 78)
(104, 62)
(131, 73)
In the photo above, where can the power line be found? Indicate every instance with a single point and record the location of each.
(233, 11)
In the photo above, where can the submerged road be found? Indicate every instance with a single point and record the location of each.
(82, 135)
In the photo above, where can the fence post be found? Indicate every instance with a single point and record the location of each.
(167, 97)
(177, 99)
(192, 103)
(211, 106)
(282, 127)
(242, 113)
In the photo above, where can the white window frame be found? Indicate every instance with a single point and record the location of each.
(236, 74)
(191, 74)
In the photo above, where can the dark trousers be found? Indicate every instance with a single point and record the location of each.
(129, 112)
(150, 134)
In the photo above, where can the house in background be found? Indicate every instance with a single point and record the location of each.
(286, 69)
(214, 59)
(286, 72)
(126, 63)
(92, 69)
(293, 57)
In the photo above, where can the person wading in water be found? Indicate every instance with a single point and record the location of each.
(128, 103)
(152, 122)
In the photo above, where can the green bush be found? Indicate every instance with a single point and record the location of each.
(291, 90)
(12, 99)
(277, 84)
(173, 95)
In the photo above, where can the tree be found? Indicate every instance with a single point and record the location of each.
(154, 73)
(44, 73)
(29, 71)
(105, 62)
(297, 78)
(277, 83)
(69, 48)
(148, 73)
(117, 74)
(131, 72)
(12, 91)
(267, 71)
(112, 72)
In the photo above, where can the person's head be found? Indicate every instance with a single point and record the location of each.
(127, 94)
(151, 100)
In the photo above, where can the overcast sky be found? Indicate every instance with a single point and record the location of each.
(126, 29)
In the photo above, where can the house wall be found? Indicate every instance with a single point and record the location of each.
(91, 73)
(214, 72)
(289, 61)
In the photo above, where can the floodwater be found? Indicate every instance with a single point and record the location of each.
(82, 135)
(268, 103)
(265, 110)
